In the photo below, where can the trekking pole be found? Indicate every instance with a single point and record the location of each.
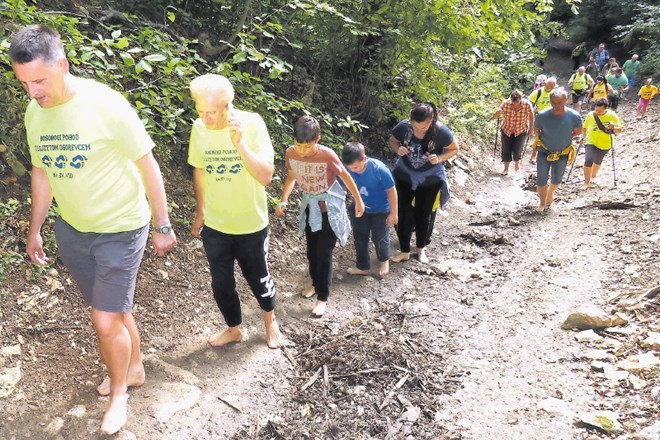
(525, 147)
(497, 132)
(613, 167)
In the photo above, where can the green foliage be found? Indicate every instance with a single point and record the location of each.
(644, 34)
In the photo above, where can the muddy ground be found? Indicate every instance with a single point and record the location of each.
(466, 347)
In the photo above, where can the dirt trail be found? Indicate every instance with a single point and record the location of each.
(468, 347)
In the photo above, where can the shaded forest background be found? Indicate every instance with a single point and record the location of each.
(356, 65)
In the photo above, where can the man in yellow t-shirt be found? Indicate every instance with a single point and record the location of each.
(91, 153)
(540, 98)
(599, 126)
(580, 84)
(232, 156)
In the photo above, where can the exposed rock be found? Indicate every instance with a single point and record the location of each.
(649, 433)
(588, 336)
(552, 405)
(605, 420)
(637, 383)
(653, 341)
(591, 317)
(78, 411)
(9, 375)
(175, 397)
(640, 362)
(54, 427)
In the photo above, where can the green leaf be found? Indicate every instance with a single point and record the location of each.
(171, 16)
(116, 34)
(142, 66)
(127, 58)
(155, 57)
(122, 43)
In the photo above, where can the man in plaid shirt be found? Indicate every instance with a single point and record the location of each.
(517, 124)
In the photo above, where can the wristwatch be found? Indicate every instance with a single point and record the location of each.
(165, 229)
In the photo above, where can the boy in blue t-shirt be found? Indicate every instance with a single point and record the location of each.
(376, 186)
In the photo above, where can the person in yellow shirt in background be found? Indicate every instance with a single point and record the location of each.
(600, 90)
(646, 94)
(541, 100)
(233, 157)
(599, 126)
(90, 151)
(580, 84)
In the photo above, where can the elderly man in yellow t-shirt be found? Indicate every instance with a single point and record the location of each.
(541, 100)
(232, 156)
(90, 151)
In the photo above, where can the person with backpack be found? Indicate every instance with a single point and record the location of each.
(423, 144)
(600, 54)
(580, 84)
(601, 89)
(599, 126)
(540, 98)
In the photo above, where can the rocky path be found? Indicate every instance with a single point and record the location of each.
(467, 347)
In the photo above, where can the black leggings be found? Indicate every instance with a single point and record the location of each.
(419, 216)
(320, 245)
(251, 251)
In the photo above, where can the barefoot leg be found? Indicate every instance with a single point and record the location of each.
(136, 375)
(384, 268)
(116, 415)
(115, 347)
(228, 335)
(274, 338)
(319, 309)
(356, 271)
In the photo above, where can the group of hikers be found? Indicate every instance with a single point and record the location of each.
(602, 77)
(91, 153)
(544, 115)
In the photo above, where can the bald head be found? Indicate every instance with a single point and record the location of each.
(635, 57)
(581, 70)
(550, 83)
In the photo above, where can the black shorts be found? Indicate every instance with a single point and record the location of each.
(578, 96)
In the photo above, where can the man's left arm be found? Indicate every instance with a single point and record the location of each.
(155, 189)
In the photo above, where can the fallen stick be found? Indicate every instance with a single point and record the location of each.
(609, 205)
(652, 293)
(229, 405)
(398, 385)
(311, 380)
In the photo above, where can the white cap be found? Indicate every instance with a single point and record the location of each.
(540, 79)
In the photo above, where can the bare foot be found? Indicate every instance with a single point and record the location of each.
(356, 271)
(540, 208)
(384, 268)
(134, 378)
(421, 256)
(505, 172)
(584, 187)
(549, 199)
(401, 256)
(319, 309)
(228, 335)
(308, 291)
(274, 338)
(116, 415)
(516, 167)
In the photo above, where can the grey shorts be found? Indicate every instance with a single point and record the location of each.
(104, 266)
